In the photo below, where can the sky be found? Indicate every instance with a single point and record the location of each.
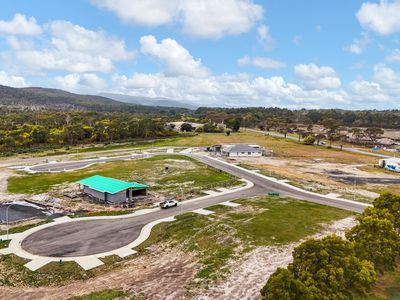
(236, 53)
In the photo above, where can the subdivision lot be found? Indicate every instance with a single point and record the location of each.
(166, 174)
(200, 248)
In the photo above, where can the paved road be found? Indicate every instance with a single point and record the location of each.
(72, 165)
(334, 147)
(96, 236)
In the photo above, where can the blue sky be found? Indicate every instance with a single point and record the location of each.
(332, 53)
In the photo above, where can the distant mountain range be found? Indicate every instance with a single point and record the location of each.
(52, 99)
(159, 101)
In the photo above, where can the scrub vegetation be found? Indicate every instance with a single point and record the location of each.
(230, 232)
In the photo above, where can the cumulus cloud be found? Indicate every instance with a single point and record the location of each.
(264, 37)
(11, 80)
(198, 18)
(20, 25)
(176, 60)
(394, 56)
(71, 48)
(316, 77)
(382, 18)
(262, 62)
(228, 89)
(215, 19)
(81, 83)
(359, 44)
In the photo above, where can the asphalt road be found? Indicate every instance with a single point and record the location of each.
(72, 165)
(96, 236)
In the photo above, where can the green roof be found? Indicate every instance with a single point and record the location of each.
(109, 185)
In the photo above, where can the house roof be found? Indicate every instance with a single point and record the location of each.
(109, 185)
(240, 148)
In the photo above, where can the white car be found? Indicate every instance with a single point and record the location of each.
(168, 203)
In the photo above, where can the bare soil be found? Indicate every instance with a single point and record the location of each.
(250, 273)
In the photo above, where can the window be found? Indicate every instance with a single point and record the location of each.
(249, 153)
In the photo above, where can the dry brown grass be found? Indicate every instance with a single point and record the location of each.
(282, 148)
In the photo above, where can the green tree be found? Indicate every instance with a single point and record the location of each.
(186, 127)
(375, 238)
(283, 285)
(391, 202)
(322, 269)
(309, 140)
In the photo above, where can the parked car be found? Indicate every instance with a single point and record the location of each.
(168, 203)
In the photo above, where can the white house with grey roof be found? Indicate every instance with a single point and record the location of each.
(241, 150)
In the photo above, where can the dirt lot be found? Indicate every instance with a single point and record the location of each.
(325, 176)
(250, 273)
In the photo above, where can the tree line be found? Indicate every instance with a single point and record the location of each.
(267, 117)
(32, 129)
(337, 268)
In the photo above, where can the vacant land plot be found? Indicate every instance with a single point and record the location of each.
(180, 257)
(229, 233)
(166, 175)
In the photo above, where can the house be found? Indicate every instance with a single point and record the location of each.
(391, 164)
(240, 150)
(110, 190)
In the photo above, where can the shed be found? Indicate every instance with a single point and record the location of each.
(111, 190)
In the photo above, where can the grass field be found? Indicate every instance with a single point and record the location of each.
(184, 176)
(103, 295)
(260, 221)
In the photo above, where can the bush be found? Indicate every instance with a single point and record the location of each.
(309, 140)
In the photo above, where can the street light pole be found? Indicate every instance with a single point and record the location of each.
(7, 217)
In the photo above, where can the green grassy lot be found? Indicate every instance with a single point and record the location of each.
(260, 221)
(183, 173)
(103, 295)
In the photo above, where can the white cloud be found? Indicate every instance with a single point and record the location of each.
(176, 60)
(315, 77)
(11, 80)
(261, 62)
(382, 18)
(297, 40)
(264, 37)
(394, 56)
(198, 18)
(142, 12)
(71, 48)
(69, 37)
(228, 89)
(387, 78)
(20, 25)
(215, 19)
(81, 83)
(359, 44)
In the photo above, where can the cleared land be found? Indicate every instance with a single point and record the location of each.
(204, 244)
(184, 176)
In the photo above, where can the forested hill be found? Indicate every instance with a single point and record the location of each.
(35, 98)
